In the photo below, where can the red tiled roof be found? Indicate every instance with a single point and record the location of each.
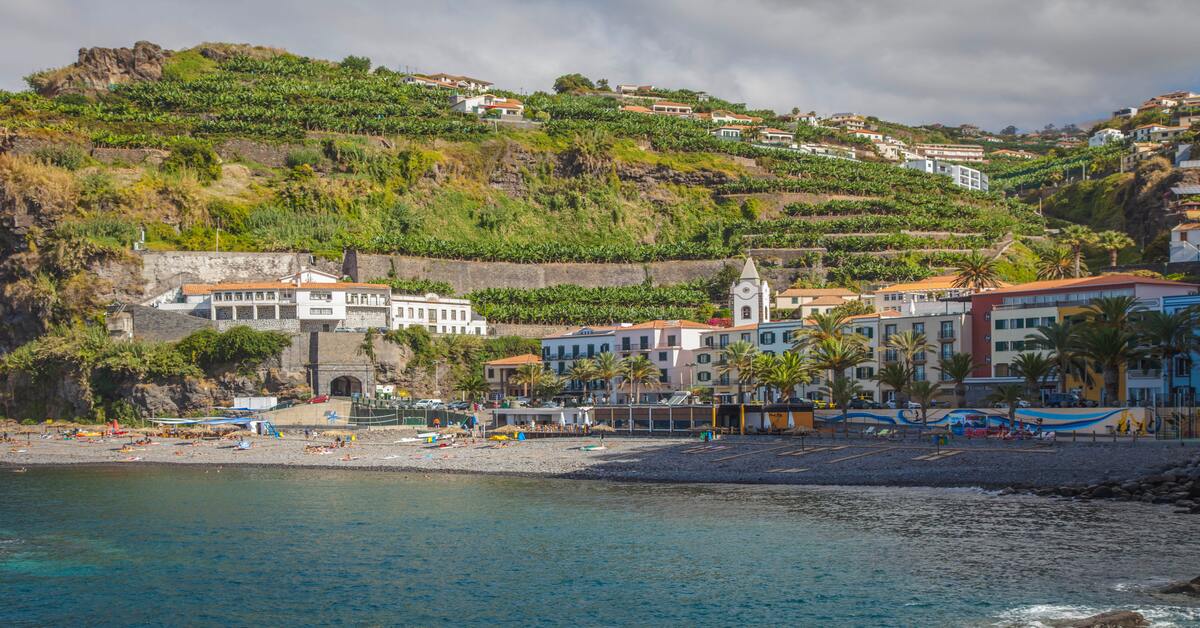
(516, 360)
(1088, 282)
(192, 289)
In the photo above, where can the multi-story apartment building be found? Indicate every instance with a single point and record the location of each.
(498, 374)
(918, 296)
(1001, 319)
(438, 314)
(561, 351)
(962, 176)
(948, 332)
(1185, 372)
(709, 360)
(793, 298)
(951, 152)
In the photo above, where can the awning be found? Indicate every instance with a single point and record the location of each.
(205, 421)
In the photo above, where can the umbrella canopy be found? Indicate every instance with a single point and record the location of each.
(603, 428)
(801, 431)
(507, 429)
(453, 430)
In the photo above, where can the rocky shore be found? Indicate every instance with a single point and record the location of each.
(1174, 484)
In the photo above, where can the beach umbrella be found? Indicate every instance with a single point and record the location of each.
(602, 428)
(507, 429)
(701, 428)
(453, 430)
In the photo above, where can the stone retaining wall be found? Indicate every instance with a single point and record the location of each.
(163, 270)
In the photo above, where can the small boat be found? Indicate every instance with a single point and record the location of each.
(407, 439)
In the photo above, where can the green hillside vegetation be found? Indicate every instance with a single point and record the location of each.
(378, 166)
(1055, 168)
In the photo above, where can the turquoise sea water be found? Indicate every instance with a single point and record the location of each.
(194, 546)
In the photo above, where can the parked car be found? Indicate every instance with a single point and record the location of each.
(911, 405)
(319, 399)
(864, 404)
(1021, 403)
(1063, 400)
(821, 403)
(283, 404)
(429, 404)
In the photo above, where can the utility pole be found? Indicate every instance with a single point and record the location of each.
(217, 248)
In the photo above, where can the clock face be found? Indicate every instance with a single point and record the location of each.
(745, 289)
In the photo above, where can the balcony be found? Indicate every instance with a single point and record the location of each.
(1144, 374)
(946, 334)
(891, 355)
(919, 358)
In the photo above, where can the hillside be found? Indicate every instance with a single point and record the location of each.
(254, 149)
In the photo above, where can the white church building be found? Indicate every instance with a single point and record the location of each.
(750, 297)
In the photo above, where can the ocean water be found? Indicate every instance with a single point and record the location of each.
(248, 547)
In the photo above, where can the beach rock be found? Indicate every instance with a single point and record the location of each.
(1111, 619)
(1102, 492)
(98, 68)
(1190, 587)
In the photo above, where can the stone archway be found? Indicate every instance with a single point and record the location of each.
(345, 386)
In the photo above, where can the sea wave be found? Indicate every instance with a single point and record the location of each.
(1044, 615)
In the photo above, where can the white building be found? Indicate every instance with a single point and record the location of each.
(951, 152)
(919, 296)
(1185, 242)
(750, 297)
(463, 82)
(482, 103)
(962, 176)
(1157, 133)
(1105, 136)
(438, 314)
(774, 136)
(793, 298)
(728, 132)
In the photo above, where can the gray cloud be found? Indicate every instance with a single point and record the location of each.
(990, 63)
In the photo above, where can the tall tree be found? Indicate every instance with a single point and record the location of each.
(1121, 312)
(895, 376)
(1077, 237)
(957, 368)
(1168, 337)
(474, 386)
(1010, 396)
(636, 372)
(789, 371)
(529, 376)
(841, 391)
(1057, 263)
(976, 272)
(923, 392)
(608, 367)
(1108, 348)
(1035, 368)
(584, 372)
(367, 346)
(824, 326)
(1060, 339)
(1113, 242)
(738, 362)
(840, 354)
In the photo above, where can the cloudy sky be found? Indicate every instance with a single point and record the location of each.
(915, 61)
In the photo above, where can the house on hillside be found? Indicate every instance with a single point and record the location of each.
(669, 108)
(634, 89)
(499, 373)
(810, 118)
(1157, 133)
(847, 121)
(728, 132)
(951, 152)
(481, 104)
(962, 176)
(793, 298)
(1012, 154)
(1105, 136)
(1125, 112)
(728, 117)
(768, 135)
(463, 82)
(636, 109)
(874, 136)
(1185, 242)
(425, 81)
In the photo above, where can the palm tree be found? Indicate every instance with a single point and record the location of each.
(1113, 242)
(909, 345)
(1120, 312)
(529, 376)
(841, 391)
(824, 327)
(549, 386)
(738, 361)
(977, 272)
(957, 368)
(1035, 367)
(1057, 263)
(474, 386)
(607, 369)
(584, 372)
(1108, 348)
(760, 368)
(1010, 396)
(840, 354)
(638, 371)
(923, 393)
(1077, 237)
(789, 371)
(896, 376)
(1169, 336)
(1060, 339)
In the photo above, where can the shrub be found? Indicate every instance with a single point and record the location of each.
(304, 157)
(66, 157)
(196, 156)
(188, 65)
(356, 64)
(241, 346)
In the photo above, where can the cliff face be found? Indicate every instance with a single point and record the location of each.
(97, 68)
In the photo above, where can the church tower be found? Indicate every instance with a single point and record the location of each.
(750, 297)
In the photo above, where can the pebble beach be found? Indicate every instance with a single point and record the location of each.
(756, 460)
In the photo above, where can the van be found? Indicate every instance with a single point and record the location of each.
(1063, 400)
(428, 404)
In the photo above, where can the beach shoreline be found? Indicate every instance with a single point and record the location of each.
(745, 461)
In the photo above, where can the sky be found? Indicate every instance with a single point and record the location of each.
(989, 63)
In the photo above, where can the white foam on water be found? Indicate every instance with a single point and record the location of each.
(1041, 615)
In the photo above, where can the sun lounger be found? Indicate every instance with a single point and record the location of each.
(884, 433)
(870, 431)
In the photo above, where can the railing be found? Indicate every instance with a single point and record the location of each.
(946, 335)
(1144, 374)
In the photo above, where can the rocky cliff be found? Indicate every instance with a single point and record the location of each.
(97, 68)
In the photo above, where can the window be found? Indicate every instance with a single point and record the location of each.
(1017, 345)
(767, 338)
(662, 356)
(662, 376)
(888, 332)
(746, 312)
(864, 372)
(258, 296)
(625, 344)
(491, 373)
(795, 300)
(320, 295)
(919, 373)
(947, 329)
(604, 348)
(671, 340)
(918, 328)
(591, 350)
(562, 351)
(1001, 345)
(574, 351)
(745, 337)
(1001, 324)
(1031, 323)
(320, 311)
(947, 351)
(724, 380)
(546, 351)
(865, 332)
(644, 342)
(787, 336)
(724, 340)
(704, 376)
(1047, 320)
(1001, 370)
(1016, 323)
(703, 358)
(271, 295)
